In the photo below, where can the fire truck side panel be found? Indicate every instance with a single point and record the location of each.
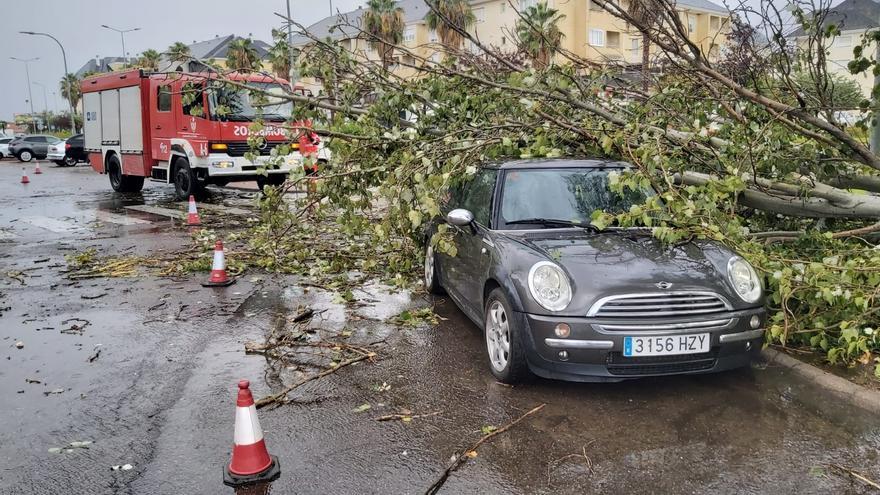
(92, 129)
(109, 117)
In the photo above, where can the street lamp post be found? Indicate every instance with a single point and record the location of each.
(66, 72)
(27, 73)
(121, 35)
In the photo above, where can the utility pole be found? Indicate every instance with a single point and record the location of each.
(45, 96)
(66, 73)
(122, 35)
(27, 73)
(291, 74)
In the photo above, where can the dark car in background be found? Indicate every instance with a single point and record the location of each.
(74, 151)
(559, 298)
(26, 148)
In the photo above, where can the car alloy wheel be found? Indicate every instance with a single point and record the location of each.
(429, 266)
(70, 161)
(25, 156)
(498, 336)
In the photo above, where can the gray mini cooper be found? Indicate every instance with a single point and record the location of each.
(559, 298)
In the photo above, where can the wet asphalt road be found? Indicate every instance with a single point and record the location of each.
(160, 395)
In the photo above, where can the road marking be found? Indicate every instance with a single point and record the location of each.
(155, 210)
(224, 209)
(106, 216)
(55, 225)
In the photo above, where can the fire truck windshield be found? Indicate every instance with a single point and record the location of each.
(241, 105)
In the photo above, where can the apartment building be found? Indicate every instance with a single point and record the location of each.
(590, 32)
(854, 17)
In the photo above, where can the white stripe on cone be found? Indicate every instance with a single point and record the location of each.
(219, 262)
(247, 426)
(192, 205)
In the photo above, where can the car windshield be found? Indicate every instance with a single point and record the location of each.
(561, 197)
(237, 104)
(52, 140)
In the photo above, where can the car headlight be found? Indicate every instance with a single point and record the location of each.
(549, 286)
(744, 279)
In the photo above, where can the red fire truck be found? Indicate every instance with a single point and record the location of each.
(187, 129)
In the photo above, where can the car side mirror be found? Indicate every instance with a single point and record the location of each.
(460, 217)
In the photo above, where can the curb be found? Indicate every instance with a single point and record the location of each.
(842, 388)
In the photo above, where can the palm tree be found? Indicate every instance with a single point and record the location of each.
(178, 52)
(279, 55)
(149, 60)
(459, 15)
(242, 54)
(538, 33)
(70, 89)
(383, 22)
(644, 13)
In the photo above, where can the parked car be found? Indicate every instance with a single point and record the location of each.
(74, 151)
(562, 299)
(4, 147)
(56, 153)
(26, 148)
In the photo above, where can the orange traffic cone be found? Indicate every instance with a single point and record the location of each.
(37, 170)
(24, 177)
(192, 217)
(251, 462)
(219, 278)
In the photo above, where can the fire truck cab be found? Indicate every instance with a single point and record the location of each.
(190, 130)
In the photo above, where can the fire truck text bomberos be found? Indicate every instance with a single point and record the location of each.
(139, 125)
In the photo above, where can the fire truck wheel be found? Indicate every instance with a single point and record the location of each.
(119, 181)
(274, 180)
(185, 183)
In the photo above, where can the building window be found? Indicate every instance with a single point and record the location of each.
(432, 36)
(524, 4)
(503, 7)
(409, 34)
(613, 39)
(634, 45)
(714, 23)
(480, 15)
(597, 37)
(504, 40)
(692, 24)
(842, 42)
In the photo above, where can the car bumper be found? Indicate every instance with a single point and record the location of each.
(594, 352)
(54, 155)
(222, 165)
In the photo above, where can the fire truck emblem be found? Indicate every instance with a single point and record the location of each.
(163, 148)
(192, 124)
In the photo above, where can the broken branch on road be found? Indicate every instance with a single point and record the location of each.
(459, 458)
(281, 397)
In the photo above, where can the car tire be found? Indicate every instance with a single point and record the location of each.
(69, 161)
(60, 163)
(503, 336)
(25, 155)
(119, 181)
(185, 183)
(431, 271)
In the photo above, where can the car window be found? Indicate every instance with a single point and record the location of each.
(5, 140)
(53, 140)
(478, 195)
(35, 139)
(570, 194)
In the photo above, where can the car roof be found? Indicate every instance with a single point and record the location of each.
(557, 163)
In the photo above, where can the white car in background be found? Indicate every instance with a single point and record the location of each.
(4, 147)
(56, 152)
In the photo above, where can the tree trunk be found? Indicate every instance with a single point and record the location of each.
(646, 62)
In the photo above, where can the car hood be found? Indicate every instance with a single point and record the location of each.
(611, 263)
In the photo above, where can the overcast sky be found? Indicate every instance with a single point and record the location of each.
(76, 23)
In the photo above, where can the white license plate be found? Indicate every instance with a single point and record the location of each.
(667, 345)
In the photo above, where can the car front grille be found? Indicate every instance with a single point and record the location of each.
(240, 148)
(659, 305)
(617, 364)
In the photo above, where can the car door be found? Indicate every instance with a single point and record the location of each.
(472, 262)
(38, 145)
